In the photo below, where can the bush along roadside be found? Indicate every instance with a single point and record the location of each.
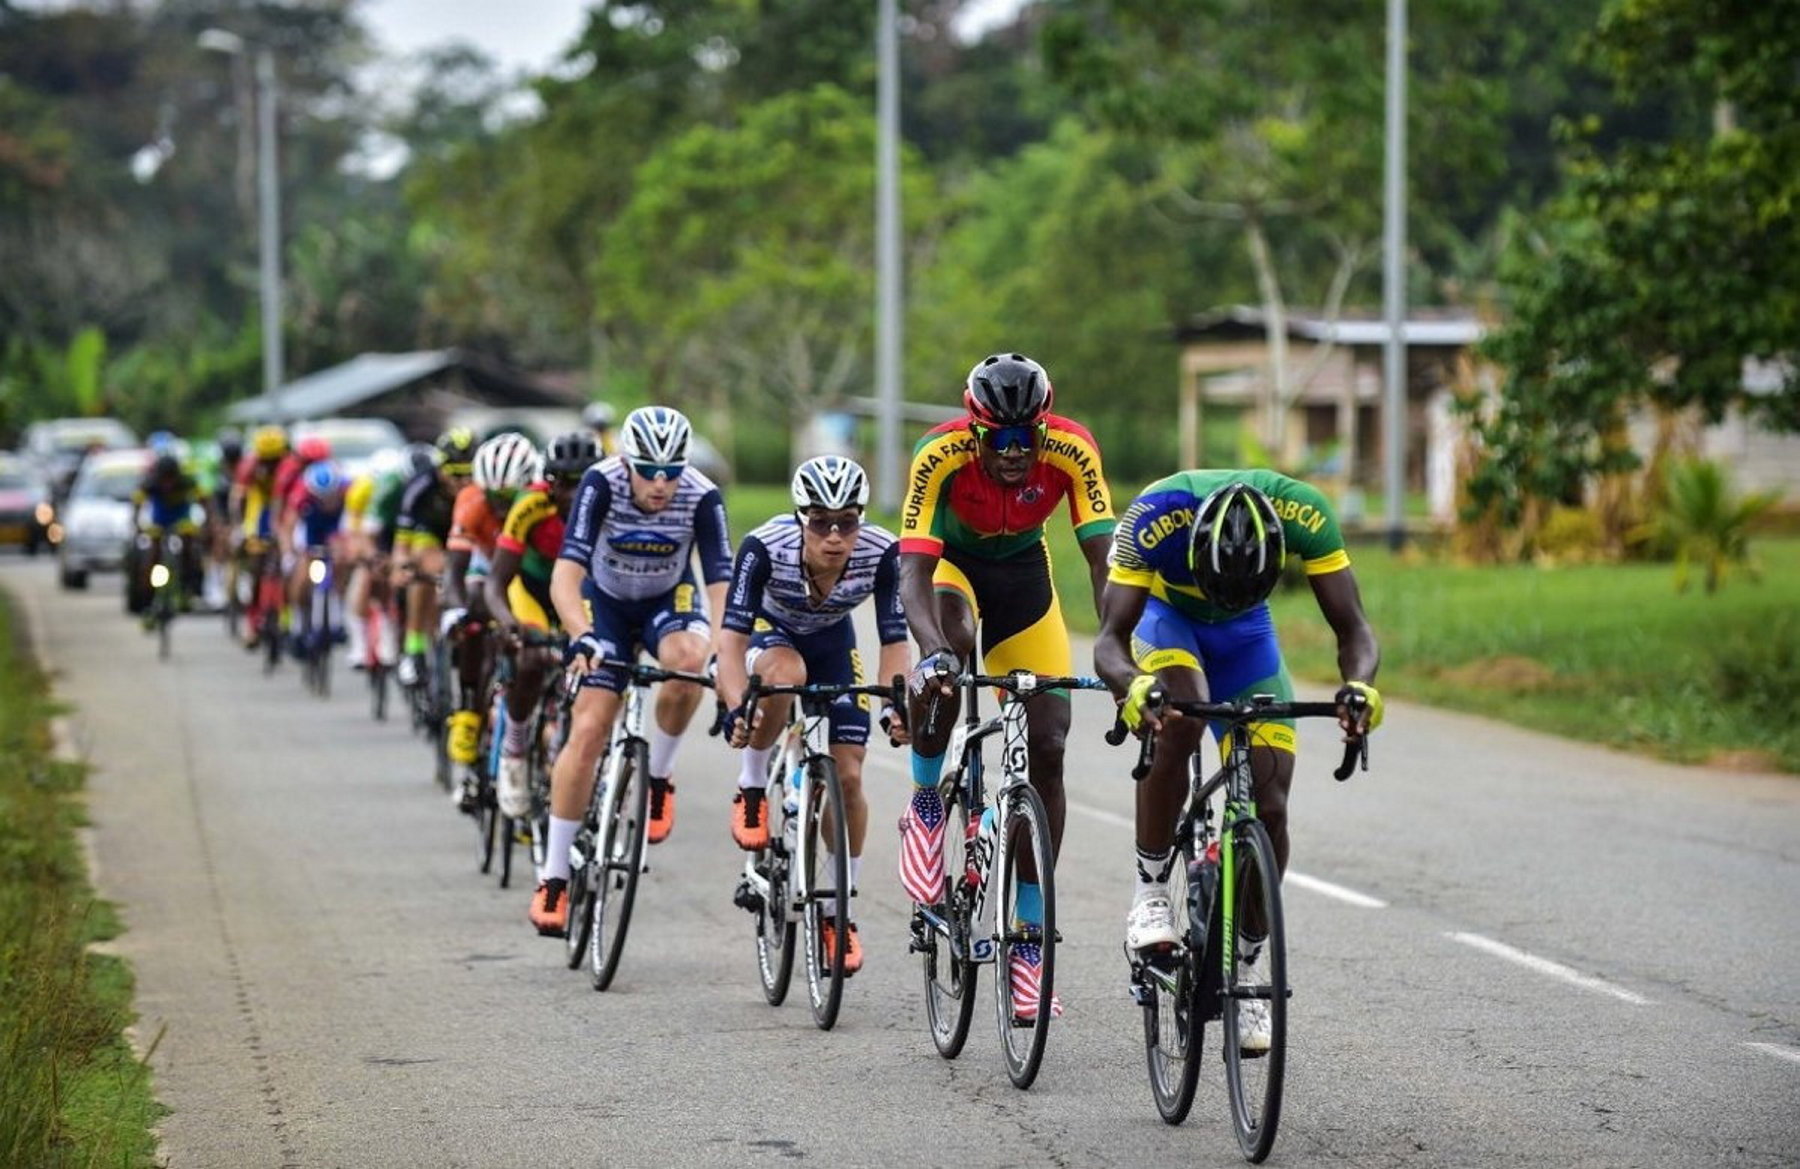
(72, 1093)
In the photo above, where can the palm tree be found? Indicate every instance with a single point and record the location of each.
(1703, 520)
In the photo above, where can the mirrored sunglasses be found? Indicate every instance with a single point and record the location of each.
(1025, 436)
(658, 470)
(825, 524)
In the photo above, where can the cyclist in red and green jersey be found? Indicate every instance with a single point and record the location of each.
(972, 554)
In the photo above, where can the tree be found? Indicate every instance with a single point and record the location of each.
(744, 262)
(1665, 264)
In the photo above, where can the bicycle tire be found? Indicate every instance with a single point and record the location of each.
(776, 931)
(165, 622)
(378, 691)
(1255, 1082)
(1173, 1022)
(487, 816)
(621, 861)
(950, 980)
(509, 836)
(825, 974)
(580, 893)
(1026, 827)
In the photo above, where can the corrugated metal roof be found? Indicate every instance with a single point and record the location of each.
(318, 395)
(1434, 328)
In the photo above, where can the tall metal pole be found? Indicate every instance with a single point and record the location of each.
(1393, 280)
(269, 229)
(888, 323)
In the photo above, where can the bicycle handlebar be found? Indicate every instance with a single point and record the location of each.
(1356, 748)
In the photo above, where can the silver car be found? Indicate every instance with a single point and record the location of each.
(97, 518)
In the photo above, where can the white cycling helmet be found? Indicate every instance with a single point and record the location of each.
(830, 482)
(507, 462)
(655, 434)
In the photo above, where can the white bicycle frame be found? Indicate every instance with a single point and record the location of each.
(806, 737)
(628, 727)
(1015, 770)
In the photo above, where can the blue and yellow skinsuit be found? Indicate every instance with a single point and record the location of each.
(1237, 652)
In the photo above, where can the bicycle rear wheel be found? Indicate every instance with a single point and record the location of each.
(826, 832)
(1254, 1080)
(580, 894)
(949, 979)
(487, 826)
(621, 859)
(1173, 1025)
(1026, 828)
(775, 930)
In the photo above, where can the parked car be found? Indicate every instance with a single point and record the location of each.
(360, 445)
(97, 518)
(26, 513)
(58, 446)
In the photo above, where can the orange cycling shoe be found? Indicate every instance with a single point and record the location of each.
(662, 809)
(549, 908)
(852, 947)
(749, 819)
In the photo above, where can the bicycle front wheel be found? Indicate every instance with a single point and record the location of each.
(1172, 1017)
(621, 858)
(949, 977)
(1253, 1073)
(827, 908)
(1025, 960)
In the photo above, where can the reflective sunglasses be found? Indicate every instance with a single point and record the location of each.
(825, 525)
(1024, 436)
(669, 471)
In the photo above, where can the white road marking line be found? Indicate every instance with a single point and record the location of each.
(1546, 966)
(1311, 884)
(1791, 1054)
(1346, 895)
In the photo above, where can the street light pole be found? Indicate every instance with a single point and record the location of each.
(268, 178)
(1393, 280)
(888, 319)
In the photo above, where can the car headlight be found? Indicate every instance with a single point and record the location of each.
(45, 513)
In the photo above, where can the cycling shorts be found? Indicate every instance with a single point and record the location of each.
(830, 658)
(529, 601)
(1239, 657)
(1015, 602)
(625, 626)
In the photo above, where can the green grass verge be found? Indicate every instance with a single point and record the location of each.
(1603, 653)
(71, 1091)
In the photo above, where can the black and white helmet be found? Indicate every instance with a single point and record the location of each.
(655, 434)
(1236, 547)
(572, 453)
(1008, 389)
(830, 482)
(507, 462)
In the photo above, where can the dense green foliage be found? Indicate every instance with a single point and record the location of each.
(71, 1092)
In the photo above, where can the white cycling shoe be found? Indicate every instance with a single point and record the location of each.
(514, 790)
(1151, 922)
(1255, 1032)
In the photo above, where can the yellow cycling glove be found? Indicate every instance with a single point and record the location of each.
(1355, 694)
(1132, 709)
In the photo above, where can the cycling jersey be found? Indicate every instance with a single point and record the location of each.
(951, 501)
(315, 520)
(256, 477)
(533, 531)
(769, 581)
(424, 517)
(474, 525)
(170, 506)
(1150, 548)
(631, 554)
(390, 490)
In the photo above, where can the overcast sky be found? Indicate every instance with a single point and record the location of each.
(529, 34)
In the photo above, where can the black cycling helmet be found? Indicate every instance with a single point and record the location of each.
(457, 446)
(1007, 389)
(570, 454)
(165, 467)
(1236, 547)
(421, 458)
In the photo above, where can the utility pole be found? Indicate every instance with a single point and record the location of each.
(889, 325)
(1393, 280)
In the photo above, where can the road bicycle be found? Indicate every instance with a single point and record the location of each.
(317, 616)
(549, 730)
(989, 847)
(167, 588)
(1225, 884)
(782, 884)
(607, 856)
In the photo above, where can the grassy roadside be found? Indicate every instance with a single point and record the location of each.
(1603, 653)
(71, 1091)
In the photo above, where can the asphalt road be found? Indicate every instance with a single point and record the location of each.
(1504, 947)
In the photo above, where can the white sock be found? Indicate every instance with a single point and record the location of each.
(1153, 873)
(755, 769)
(662, 751)
(356, 644)
(556, 856)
